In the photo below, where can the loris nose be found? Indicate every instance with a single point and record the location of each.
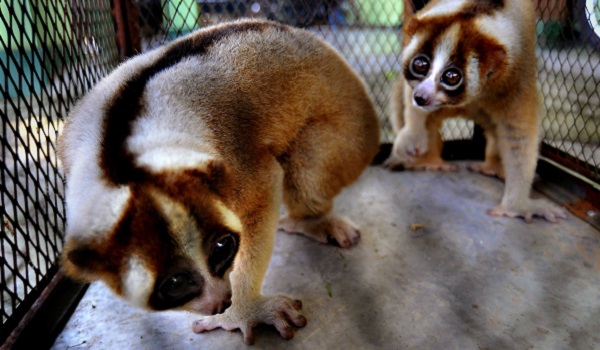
(421, 100)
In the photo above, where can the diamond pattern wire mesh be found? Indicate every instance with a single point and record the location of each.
(569, 67)
(52, 51)
(366, 32)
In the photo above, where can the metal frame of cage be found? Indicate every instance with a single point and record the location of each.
(44, 72)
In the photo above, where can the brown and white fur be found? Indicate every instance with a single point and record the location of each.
(475, 59)
(177, 164)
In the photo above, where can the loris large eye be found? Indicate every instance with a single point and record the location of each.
(419, 66)
(223, 253)
(451, 78)
(178, 288)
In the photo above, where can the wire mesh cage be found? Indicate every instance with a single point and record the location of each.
(367, 32)
(569, 74)
(53, 51)
(50, 53)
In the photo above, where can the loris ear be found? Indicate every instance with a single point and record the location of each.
(82, 261)
(493, 59)
(409, 28)
(215, 174)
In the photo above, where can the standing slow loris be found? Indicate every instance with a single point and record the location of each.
(178, 161)
(476, 59)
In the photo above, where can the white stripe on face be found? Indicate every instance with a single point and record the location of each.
(182, 226)
(230, 220)
(138, 282)
(444, 8)
(411, 49)
(443, 51)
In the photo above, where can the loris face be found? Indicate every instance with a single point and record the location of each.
(448, 58)
(173, 246)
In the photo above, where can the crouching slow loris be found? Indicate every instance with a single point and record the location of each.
(475, 59)
(177, 162)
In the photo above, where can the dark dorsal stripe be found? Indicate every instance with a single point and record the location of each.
(116, 160)
(479, 7)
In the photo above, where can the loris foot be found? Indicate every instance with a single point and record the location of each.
(533, 207)
(281, 312)
(394, 163)
(432, 165)
(324, 229)
(429, 164)
(488, 169)
(409, 145)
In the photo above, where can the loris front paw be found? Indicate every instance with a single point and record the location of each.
(279, 311)
(408, 145)
(533, 207)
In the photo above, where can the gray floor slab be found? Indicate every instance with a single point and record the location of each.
(464, 281)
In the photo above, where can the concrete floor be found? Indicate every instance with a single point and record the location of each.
(464, 281)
